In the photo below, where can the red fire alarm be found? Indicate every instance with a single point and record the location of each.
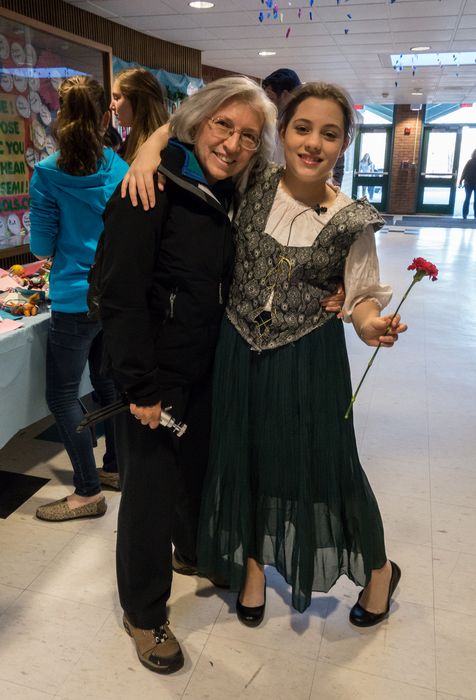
(407, 131)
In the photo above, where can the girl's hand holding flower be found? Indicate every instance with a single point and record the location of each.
(374, 331)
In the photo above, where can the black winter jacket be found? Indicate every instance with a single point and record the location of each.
(469, 173)
(166, 277)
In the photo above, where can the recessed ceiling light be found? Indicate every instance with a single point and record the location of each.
(266, 53)
(201, 5)
(420, 48)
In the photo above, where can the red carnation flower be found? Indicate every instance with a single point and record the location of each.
(423, 268)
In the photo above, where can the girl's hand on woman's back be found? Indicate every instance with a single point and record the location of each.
(334, 302)
(139, 179)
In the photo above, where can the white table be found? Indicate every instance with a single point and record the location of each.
(23, 376)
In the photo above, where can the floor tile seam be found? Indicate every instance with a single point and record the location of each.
(456, 697)
(68, 600)
(85, 651)
(411, 498)
(264, 646)
(447, 503)
(430, 483)
(23, 685)
(316, 664)
(376, 675)
(208, 634)
(453, 551)
(36, 523)
(12, 602)
(439, 608)
(109, 538)
(50, 563)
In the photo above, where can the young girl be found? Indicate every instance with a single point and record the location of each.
(285, 486)
(138, 102)
(68, 195)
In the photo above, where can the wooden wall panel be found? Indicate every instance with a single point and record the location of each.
(210, 73)
(126, 43)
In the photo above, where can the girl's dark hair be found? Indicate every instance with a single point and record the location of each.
(147, 100)
(323, 91)
(79, 128)
(112, 138)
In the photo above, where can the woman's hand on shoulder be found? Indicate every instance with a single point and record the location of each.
(148, 415)
(374, 330)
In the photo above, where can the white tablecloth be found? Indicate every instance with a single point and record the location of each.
(22, 376)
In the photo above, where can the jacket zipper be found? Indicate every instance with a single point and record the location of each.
(172, 298)
(220, 295)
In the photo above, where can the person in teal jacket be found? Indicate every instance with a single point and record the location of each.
(68, 194)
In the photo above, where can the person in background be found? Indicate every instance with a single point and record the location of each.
(279, 86)
(68, 194)
(468, 177)
(112, 138)
(162, 298)
(366, 165)
(284, 485)
(138, 103)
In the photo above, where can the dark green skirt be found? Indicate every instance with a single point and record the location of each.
(284, 483)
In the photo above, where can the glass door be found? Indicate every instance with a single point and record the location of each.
(439, 170)
(371, 164)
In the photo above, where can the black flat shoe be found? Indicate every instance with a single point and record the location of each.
(251, 617)
(361, 617)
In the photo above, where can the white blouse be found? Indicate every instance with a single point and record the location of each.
(361, 274)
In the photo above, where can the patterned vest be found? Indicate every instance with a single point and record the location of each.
(298, 278)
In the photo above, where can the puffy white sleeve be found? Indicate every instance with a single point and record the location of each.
(362, 276)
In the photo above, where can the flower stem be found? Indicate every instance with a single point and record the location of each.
(354, 395)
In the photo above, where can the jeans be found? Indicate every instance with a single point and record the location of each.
(469, 191)
(73, 341)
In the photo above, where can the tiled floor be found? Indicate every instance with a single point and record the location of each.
(60, 621)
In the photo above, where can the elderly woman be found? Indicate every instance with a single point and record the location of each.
(163, 295)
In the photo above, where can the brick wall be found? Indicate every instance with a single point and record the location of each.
(405, 166)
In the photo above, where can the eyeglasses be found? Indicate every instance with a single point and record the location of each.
(223, 128)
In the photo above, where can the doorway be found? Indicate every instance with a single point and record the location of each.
(371, 165)
(439, 169)
(468, 145)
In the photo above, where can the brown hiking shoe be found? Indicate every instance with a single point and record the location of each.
(110, 479)
(180, 567)
(157, 649)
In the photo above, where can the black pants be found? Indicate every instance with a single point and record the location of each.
(161, 483)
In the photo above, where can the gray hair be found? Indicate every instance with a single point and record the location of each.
(185, 123)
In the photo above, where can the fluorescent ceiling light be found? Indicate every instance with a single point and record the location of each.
(266, 53)
(463, 58)
(417, 92)
(420, 48)
(201, 5)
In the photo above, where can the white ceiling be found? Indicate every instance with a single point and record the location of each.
(230, 36)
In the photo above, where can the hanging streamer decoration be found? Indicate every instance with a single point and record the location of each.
(273, 12)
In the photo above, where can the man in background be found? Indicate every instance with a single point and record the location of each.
(278, 86)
